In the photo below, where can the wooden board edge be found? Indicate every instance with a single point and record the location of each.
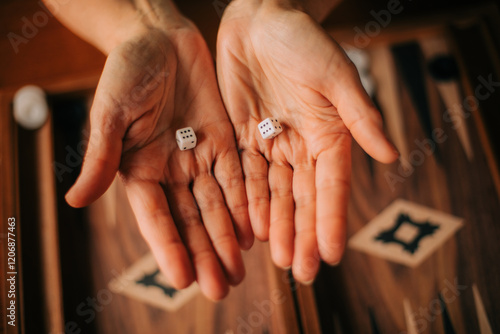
(9, 208)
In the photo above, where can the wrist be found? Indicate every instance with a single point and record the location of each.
(264, 9)
(142, 20)
(317, 9)
(122, 28)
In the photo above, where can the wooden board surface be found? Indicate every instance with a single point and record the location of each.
(100, 244)
(365, 294)
(63, 65)
(9, 208)
(444, 293)
(115, 244)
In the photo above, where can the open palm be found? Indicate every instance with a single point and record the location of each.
(190, 205)
(277, 62)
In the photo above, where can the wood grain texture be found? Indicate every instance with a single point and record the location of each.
(109, 242)
(48, 52)
(308, 310)
(482, 317)
(38, 221)
(62, 64)
(102, 246)
(411, 326)
(38, 228)
(9, 207)
(410, 64)
(458, 186)
(478, 59)
(450, 91)
(115, 245)
(49, 233)
(382, 68)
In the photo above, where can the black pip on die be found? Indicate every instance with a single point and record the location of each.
(270, 128)
(186, 139)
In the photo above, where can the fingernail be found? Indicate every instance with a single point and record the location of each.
(394, 148)
(308, 282)
(286, 268)
(246, 243)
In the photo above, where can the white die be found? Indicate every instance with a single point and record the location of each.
(270, 128)
(186, 139)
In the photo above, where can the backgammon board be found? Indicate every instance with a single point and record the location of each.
(423, 255)
(94, 272)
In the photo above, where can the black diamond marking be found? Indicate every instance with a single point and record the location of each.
(424, 229)
(149, 280)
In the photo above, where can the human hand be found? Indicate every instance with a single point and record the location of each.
(190, 205)
(275, 60)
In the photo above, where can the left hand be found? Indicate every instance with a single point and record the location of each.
(277, 61)
(190, 205)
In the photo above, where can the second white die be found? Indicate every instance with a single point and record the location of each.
(186, 139)
(270, 128)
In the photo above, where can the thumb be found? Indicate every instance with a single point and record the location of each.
(102, 159)
(358, 113)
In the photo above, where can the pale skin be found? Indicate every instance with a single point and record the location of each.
(274, 60)
(192, 206)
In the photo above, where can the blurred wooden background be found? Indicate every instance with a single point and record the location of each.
(364, 294)
(367, 294)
